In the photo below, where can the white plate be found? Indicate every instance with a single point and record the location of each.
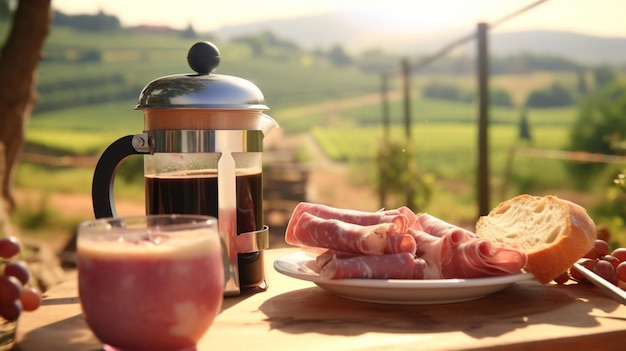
(397, 291)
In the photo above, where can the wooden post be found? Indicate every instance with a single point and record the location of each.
(385, 104)
(483, 120)
(384, 147)
(406, 80)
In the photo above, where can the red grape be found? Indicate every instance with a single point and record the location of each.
(30, 298)
(14, 275)
(599, 249)
(620, 271)
(19, 270)
(588, 263)
(620, 254)
(606, 271)
(11, 311)
(9, 247)
(610, 259)
(611, 266)
(10, 289)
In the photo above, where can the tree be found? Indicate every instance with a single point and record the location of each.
(264, 44)
(98, 22)
(582, 82)
(338, 56)
(600, 128)
(524, 127)
(399, 181)
(553, 96)
(189, 32)
(603, 76)
(500, 97)
(446, 92)
(18, 70)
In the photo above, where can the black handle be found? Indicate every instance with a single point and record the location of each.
(104, 175)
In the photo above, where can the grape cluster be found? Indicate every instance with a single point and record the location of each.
(15, 293)
(609, 265)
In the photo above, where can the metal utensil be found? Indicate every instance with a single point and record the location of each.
(606, 286)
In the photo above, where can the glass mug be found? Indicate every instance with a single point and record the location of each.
(151, 282)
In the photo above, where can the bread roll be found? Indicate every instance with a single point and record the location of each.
(553, 232)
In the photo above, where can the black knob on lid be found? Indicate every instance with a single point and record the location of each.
(203, 57)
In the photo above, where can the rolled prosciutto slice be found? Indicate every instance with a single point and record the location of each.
(438, 227)
(323, 258)
(466, 257)
(399, 217)
(400, 243)
(410, 215)
(334, 234)
(459, 255)
(388, 266)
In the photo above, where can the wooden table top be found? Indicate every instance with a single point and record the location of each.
(294, 314)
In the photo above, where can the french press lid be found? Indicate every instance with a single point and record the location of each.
(203, 89)
(204, 100)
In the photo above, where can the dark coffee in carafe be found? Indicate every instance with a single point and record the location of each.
(197, 193)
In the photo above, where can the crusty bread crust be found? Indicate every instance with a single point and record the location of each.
(546, 260)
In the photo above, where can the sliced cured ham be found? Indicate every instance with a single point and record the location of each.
(396, 244)
(480, 258)
(388, 266)
(338, 235)
(398, 217)
(324, 257)
(438, 227)
(350, 230)
(458, 255)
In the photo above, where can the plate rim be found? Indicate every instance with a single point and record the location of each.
(301, 257)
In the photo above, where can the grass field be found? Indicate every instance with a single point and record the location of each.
(449, 152)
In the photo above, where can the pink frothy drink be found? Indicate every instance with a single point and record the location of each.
(150, 283)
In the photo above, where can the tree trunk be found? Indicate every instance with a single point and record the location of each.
(18, 70)
(6, 226)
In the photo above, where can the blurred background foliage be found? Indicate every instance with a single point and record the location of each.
(94, 70)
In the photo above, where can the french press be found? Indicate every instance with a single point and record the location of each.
(202, 145)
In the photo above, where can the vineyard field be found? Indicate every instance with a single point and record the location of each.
(449, 151)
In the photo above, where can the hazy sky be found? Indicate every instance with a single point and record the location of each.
(599, 17)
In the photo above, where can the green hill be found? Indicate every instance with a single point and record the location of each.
(89, 83)
(86, 68)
